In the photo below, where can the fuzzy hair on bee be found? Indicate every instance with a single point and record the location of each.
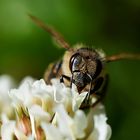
(81, 66)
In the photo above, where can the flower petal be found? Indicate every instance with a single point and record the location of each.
(80, 124)
(65, 122)
(51, 132)
(7, 130)
(101, 131)
(38, 113)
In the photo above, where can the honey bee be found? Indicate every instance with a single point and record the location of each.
(82, 66)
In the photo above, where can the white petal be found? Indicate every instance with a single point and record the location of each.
(6, 83)
(58, 96)
(4, 118)
(58, 90)
(38, 113)
(43, 91)
(22, 95)
(102, 130)
(28, 79)
(33, 126)
(101, 127)
(7, 130)
(80, 124)
(41, 87)
(51, 132)
(65, 122)
(77, 100)
(20, 135)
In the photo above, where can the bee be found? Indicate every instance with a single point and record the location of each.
(81, 66)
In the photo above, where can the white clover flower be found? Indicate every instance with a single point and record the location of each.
(52, 112)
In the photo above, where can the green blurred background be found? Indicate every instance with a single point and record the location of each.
(114, 26)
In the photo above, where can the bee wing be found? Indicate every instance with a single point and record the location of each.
(58, 37)
(122, 56)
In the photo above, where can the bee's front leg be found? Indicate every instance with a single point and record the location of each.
(86, 101)
(101, 93)
(97, 84)
(62, 78)
(92, 90)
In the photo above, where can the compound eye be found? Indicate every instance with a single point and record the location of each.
(72, 60)
(77, 63)
(77, 60)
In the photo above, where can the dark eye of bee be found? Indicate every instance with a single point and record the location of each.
(76, 62)
(72, 60)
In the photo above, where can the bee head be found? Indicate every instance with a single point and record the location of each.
(85, 66)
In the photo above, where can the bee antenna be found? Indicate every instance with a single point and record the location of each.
(58, 37)
(122, 56)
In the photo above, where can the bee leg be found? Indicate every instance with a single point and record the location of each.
(97, 85)
(86, 101)
(62, 78)
(102, 93)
